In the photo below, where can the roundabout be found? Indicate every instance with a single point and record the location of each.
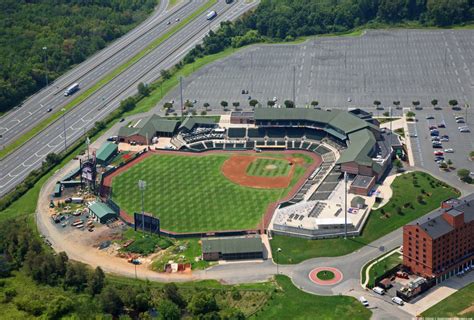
(325, 276)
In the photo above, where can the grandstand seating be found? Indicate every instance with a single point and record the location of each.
(236, 133)
(276, 132)
(312, 134)
(256, 132)
(294, 132)
(209, 144)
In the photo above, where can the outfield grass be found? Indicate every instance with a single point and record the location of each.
(268, 168)
(460, 304)
(290, 303)
(82, 96)
(379, 223)
(189, 193)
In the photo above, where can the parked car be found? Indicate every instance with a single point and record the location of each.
(364, 301)
(465, 129)
(433, 127)
(437, 145)
(449, 150)
(429, 117)
(439, 158)
(460, 121)
(398, 301)
(378, 290)
(442, 125)
(435, 138)
(438, 153)
(444, 140)
(434, 133)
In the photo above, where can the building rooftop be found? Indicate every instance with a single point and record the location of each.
(190, 122)
(361, 144)
(436, 226)
(148, 126)
(362, 181)
(100, 209)
(106, 150)
(228, 245)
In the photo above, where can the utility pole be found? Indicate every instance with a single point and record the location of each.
(466, 106)
(345, 205)
(294, 85)
(251, 71)
(345, 59)
(391, 133)
(278, 251)
(46, 64)
(142, 186)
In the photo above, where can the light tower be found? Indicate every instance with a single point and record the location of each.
(142, 187)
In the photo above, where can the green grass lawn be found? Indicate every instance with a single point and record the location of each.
(189, 193)
(290, 303)
(406, 189)
(456, 305)
(325, 275)
(268, 168)
(383, 266)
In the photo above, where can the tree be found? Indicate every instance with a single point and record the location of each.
(128, 104)
(167, 105)
(224, 104)
(188, 104)
(171, 292)
(143, 89)
(314, 103)
(464, 175)
(253, 103)
(443, 165)
(289, 104)
(206, 105)
(386, 114)
(203, 112)
(168, 310)
(471, 154)
(416, 103)
(110, 301)
(96, 281)
(453, 103)
(449, 162)
(396, 103)
(165, 74)
(232, 314)
(236, 105)
(398, 164)
(270, 103)
(59, 307)
(411, 114)
(434, 103)
(202, 303)
(52, 159)
(377, 103)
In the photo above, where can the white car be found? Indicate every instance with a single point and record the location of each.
(398, 301)
(449, 150)
(378, 290)
(464, 130)
(364, 301)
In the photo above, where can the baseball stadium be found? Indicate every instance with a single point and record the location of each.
(271, 169)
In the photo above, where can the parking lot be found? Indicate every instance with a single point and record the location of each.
(404, 65)
(461, 143)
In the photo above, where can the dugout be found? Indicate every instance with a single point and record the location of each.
(232, 248)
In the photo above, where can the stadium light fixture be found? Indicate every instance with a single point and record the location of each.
(142, 187)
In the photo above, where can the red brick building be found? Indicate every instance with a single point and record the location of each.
(442, 245)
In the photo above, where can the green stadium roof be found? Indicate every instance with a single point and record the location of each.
(190, 122)
(147, 127)
(337, 119)
(105, 151)
(101, 210)
(360, 144)
(230, 245)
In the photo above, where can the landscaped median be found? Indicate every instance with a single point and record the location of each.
(414, 195)
(90, 91)
(379, 266)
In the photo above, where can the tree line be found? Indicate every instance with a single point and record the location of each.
(19, 250)
(285, 20)
(40, 40)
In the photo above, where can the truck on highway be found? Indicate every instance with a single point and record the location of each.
(211, 15)
(73, 88)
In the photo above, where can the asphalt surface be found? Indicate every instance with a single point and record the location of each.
(16, 166)
(34, 109)
(461, 143)
(384, 65)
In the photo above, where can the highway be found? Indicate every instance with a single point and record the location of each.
(88, 73)
(16, 166)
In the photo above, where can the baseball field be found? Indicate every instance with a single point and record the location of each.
(209, 192)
